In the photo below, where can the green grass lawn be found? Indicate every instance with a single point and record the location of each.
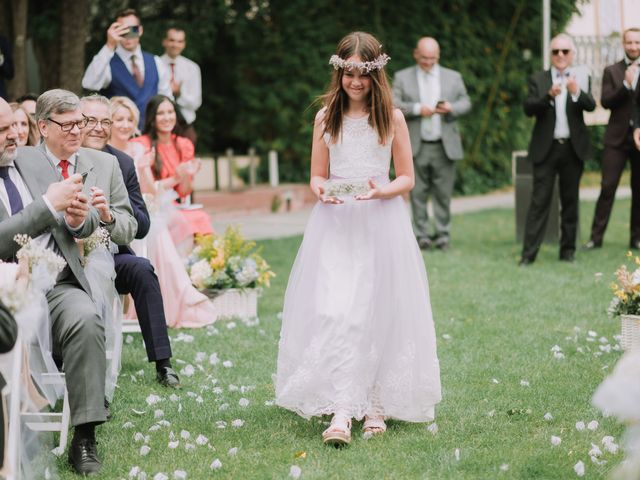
(496, 325)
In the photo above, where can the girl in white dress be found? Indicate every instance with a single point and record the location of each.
(357, 337)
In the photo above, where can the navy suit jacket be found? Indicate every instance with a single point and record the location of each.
(140, 212)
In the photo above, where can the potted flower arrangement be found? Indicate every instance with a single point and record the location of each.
(626, 303)
(230, 271)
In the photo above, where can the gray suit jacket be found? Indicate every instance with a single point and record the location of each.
(36, 218)
(406, 94)
(105, 173)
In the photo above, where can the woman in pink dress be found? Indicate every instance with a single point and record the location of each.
(184, 305)
(173, 164)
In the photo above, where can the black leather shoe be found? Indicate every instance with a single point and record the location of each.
(107, 409)
(442, 243)
(168, 377)
(634, 245)
(591, 245)
(567, 257)
(425, 243)
(83, 456)
(524, 262)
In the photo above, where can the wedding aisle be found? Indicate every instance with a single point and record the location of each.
(521, 353)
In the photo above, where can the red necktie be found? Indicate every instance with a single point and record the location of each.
(173, 71)
(137, 74)
(64, 168)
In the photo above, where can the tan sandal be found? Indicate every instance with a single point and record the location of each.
(374, 425)
(339, 432)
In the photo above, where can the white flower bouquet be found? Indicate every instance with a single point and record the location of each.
(99, 238)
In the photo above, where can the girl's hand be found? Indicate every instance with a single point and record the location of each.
(329, 200)
(373, 193)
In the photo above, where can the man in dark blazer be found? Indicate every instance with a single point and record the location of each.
(134, 275)
(619, 87)
(34, 201)
(559, 146)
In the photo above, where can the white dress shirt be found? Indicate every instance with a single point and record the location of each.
(98, 73)
(429, 88)
(628, 62)
(561, 129)
(187, 73)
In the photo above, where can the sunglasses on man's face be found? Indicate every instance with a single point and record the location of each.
(556, 51)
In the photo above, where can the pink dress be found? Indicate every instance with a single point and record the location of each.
(179, 150)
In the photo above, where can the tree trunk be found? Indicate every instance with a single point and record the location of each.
(18, 85)
(74, 24)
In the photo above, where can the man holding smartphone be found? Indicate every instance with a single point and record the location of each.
(432, 98)
(122, 68)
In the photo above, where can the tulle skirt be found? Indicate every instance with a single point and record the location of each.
(357, 330)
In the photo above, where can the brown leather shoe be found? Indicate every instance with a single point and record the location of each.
(83, 456)
(168, 377)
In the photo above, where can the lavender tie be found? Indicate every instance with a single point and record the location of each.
(15, 202)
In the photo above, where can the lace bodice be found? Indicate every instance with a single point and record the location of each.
(357, 153)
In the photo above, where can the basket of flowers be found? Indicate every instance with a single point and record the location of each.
(230, 271)
(626, 303)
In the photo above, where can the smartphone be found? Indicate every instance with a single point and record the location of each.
(134, 32)
(439, 103)
(84, 176)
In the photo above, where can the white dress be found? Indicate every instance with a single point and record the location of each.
(357, 330)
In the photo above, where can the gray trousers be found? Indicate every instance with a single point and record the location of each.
(435, 176)
(78, 338)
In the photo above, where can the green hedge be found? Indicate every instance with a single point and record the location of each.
(265, 63)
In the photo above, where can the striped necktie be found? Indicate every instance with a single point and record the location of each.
(15, 201)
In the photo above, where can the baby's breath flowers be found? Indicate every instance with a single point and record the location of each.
(626, 290)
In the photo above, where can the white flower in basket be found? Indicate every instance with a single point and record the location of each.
(626, 303)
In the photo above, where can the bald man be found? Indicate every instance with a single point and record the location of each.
(432, 98)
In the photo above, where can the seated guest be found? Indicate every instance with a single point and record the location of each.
(27, 131)
(134, 275)
(174, 164)
(28, 102)
(8, 337)
(36, 202)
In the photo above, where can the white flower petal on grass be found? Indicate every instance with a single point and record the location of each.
(144, 450)
(524, 383)
(491, 413)
(138, 412)
(202, 440)
(593, 425)
(138, 437)
(233, 388)
(504, 467)
(189, 446)
(200, 356)
(555, 441)
(179, 475)
(199, 399)
(579, 350)
(216, 464)
(134, 472)
(233, 452)
(269, 403)
(456, 453)
(213, 359)
(217, 390)
(153, 399)
(174, 445)
(446, 336)
(495, 380)
(580, 426)
(231, 325)
(243, 402)
(188, 370)
(558, 355)
(548, 417)
(591, 333)
(603, 340)
(596, 460)
(556, 348)
(174, 397)
(158, 414)
(185, 434)
(579, 468)
(127, 425)
(128, 339)
(164, 423)
(179, 407)
(295, 471)
(58, 451)
(237, 423)
(609, 444)
(433, 428)
(183, 337)
(367, 435)
(140, 373)
(221, 424)
(224, 406)
(227, 364)
(595, 451)
(160, 476)
(154, 428)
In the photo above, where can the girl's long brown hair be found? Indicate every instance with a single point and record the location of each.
(380, 101)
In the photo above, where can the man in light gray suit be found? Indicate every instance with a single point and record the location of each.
(432, 98)
(37, 202)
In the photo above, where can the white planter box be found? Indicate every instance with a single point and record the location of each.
(630, 332)
(234, 302)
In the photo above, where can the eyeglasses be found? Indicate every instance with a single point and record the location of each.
(68, 126)
(565, 51)
(93, 123)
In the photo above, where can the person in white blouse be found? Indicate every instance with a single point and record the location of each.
(185, 79)
(121, 67)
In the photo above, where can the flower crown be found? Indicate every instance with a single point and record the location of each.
(364, 67)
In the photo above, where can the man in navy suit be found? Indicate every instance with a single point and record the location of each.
(134, 275)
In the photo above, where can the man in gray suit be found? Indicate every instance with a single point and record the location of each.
(432, 98)
(37, 202)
